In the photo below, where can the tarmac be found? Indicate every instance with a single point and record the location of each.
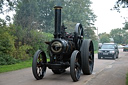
(114, 74)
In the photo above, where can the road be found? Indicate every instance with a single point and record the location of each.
(25, 76)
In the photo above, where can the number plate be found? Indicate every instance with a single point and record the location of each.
(105, 53)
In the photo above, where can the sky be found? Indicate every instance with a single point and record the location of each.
(106, 18)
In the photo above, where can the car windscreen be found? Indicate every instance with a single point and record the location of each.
(107, 46)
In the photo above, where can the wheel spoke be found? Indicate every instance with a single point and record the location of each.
(38, 65)
(75, 68)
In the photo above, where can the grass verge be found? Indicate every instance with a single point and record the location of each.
(127, 79)
(95, 52)
(21, 65)
(13, 67)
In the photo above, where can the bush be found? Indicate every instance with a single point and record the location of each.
(22, 53)
(38, 41)
(7, 59)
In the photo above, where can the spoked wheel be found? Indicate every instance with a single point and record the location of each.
(87, 56)
(58, 71)
(79, 34)
(38, 65)
(75, 66)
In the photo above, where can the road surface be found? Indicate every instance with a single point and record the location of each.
(25, 76)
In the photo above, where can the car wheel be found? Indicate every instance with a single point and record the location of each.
(99, 57)
(114, 57)
(117, 55)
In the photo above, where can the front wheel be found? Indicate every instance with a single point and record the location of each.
(114, 57)
(38, 65)
(75, 66)
(99, 57)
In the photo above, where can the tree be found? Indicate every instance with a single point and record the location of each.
(104, 37)
(10, 5)
(44, 14)
(7, 47)
(90, 34)
(78, 11)
(6, 6)
(121, 4)
(39, 15)
(118, 35)
(125, 26)
(123, 1)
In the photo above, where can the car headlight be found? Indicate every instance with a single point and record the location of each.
(112, 51)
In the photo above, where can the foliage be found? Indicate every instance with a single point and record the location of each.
(38, 40)
(104, 38)
(41, 15)
(32, 22)
(7, 59)
(6, 46)
(127, 79)
(78, 11)
(6, 43)
(119, 35)
(22, 52)
(95, 43)
(120, 4)
(26, 14)
(10, 5)
(89, 33)
(126, 26)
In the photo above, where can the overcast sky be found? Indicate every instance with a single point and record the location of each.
(107, 19)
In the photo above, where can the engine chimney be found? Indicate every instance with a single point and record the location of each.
(57, 32)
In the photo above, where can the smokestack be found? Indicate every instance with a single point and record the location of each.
(57, 32)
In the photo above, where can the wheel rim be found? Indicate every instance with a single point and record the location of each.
(38, 65)
(41, 67)
(79, 33)
(75, 67)
(91, 57)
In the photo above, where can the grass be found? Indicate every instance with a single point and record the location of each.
(17, 66)
(21, 65)
(127, 79)
(95, 52)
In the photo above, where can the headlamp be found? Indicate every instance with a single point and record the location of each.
(56, 47)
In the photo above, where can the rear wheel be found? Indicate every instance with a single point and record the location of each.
(75, 66)
(38, 65)
(87, 56)
(78, 36)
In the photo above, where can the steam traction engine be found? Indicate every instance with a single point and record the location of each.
(65, 50)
